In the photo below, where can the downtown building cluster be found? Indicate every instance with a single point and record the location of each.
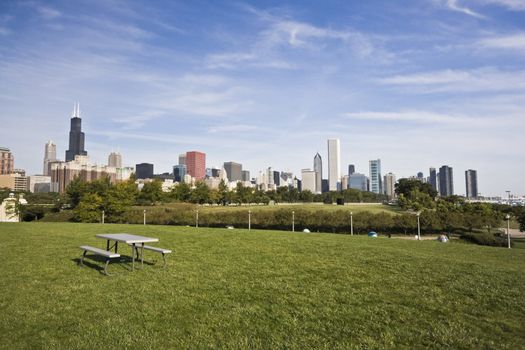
(191, 167)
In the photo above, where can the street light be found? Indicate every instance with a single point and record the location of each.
(196, 218)
(102, 216)
(418, 228)
(144, 216)
(249, 220)
(351, 223)
(293, 221)
(508, 230)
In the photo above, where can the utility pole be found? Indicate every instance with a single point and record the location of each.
(351, 223)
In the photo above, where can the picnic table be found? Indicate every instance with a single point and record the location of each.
(134, 240)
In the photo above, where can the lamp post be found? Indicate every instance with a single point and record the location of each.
(196, 218)
(144, 216)
(293, 221)
(508, 230)
(351, 223)
(418, 228)
(249, 220)
(102, 216)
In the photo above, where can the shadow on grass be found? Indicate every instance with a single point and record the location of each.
(124, 261)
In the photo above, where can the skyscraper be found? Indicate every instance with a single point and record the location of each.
(179, 171)
(309, 179)
(390, 185)
(115, 160)
(182, 159)
(358, 181)
(334, 165)
(276, 178)
(50, 155)
(345, 182)
(351, 169)
(144, 171)
(233, 171)
(471, 181)
(196, 164)
(375, 176)
(433, 178)
(7, 161)
(245, 175)
(76, 136)
(318, 169)
(446, 181)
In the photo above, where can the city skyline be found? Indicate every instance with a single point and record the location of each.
(265, 86)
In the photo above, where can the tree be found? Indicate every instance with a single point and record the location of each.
(181, 192)
(75, 190)
(89, 208)
(200, 194)
(521, 220)
(119, 197)
(150, 193)
(223, 193)
(414, 194)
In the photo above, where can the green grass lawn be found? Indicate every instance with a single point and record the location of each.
(372, 208)
(260, 289)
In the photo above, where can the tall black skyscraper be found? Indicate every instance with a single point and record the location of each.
(351, 169)
(446, 181)
(76, 136)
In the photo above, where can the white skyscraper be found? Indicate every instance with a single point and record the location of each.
(50, 155)
(115, 160)
(308, 178)
(376, 184)
(318, 168)
(334, 164)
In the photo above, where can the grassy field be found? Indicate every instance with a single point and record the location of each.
(260, 289)
(353, 207)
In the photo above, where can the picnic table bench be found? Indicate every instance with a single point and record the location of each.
(163, 251)
(107, 254)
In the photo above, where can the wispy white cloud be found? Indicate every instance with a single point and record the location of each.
(231, 128)
(235, 60)
(418, 116)
(283, 37)
(484, 79)
(510, 42)
(48, 13)
(515, 5)
(133, 122)
(455, 6)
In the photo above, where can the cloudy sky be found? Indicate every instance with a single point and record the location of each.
(416, 83)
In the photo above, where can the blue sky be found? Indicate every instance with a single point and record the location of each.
(415, 83)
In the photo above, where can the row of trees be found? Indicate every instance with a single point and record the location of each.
(102, 190)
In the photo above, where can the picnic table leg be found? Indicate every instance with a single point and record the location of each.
(142, 255)
(116, 246)
(107, 245)
(106, 267)
(133, 257)
(81, 263)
